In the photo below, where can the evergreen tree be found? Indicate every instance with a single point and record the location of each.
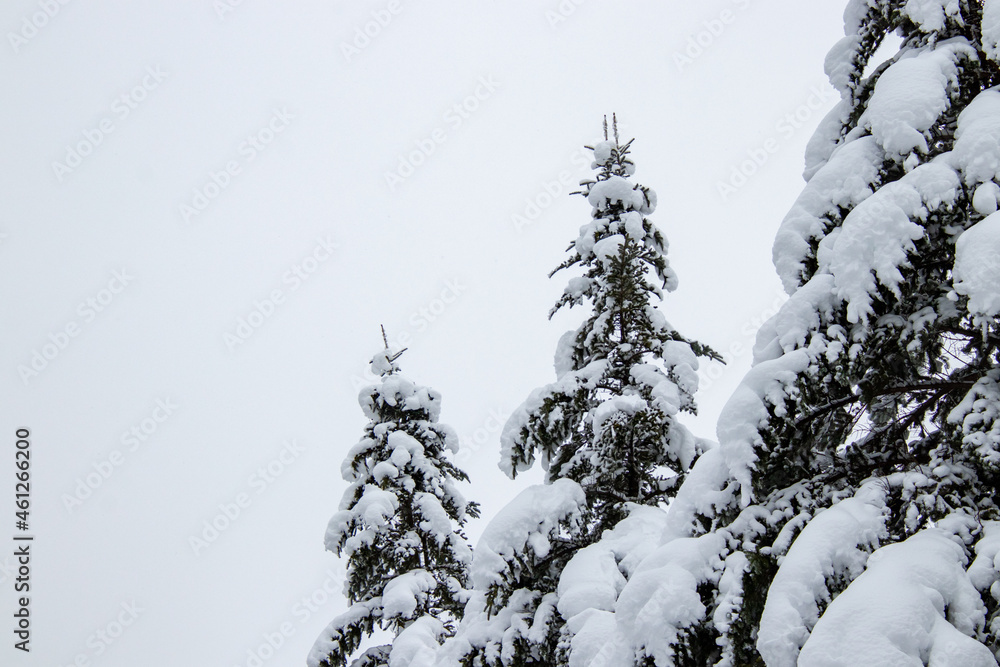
(400, 527)
(609, 422)
(606, 431)
(856, 478)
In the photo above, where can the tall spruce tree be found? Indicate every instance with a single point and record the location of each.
(850, 514)
(606, 431)
(609, 422)
(400, 527)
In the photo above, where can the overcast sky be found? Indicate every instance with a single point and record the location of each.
(210, 208)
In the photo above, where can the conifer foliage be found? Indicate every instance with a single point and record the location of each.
(400, 527)
(609, 421)
(849, 515)
(605, 431)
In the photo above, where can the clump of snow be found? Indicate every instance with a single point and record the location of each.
(609, 247)
(417, 644)
(765, 386)
(826, 138)
(979, 415)
(328, 639)
(984, 573)
(985, 198)
(792, 325)
(374, 507)
(846, 180)
(915, 604)
(909, 97)
(567, 384)
(977, 266)
(661, 598)
(878, 234)
(591, 580)
(976, 152)
(402, 595)
(707, 488)
(665, 393)
(531, 518)
(991, 29)
(628, 405)
(383, 363)
(835, 543)
(929, 15)
(840, 62)
(602, 151)
(634, 226)
(615, 190)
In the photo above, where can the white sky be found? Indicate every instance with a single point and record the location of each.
(196, 86)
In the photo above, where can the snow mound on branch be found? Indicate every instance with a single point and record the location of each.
(977, 266)
(929, 15)
(839, 62)
(591, 582)
(915, 604)
(402, 595)
(991, 29)
(976, 152)
(878, 234)
(765, 385)
(836, 541)
(567, 385)
(327, 642)
(615, 190)
(707, 488)
(909, 97)
(597, 642)
(826, 138)
(661, 598)
(979, 416)
(417, 644)
(797, 318)
(399, 391)
(666, 395)
(842, 183)
(383, 363)
(984, 573)
(529, 519)
(602, 151)
(628, 405)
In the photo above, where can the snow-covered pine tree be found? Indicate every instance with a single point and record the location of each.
(606, 430)
(609, 421)
(400, 527)
(857, 473)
